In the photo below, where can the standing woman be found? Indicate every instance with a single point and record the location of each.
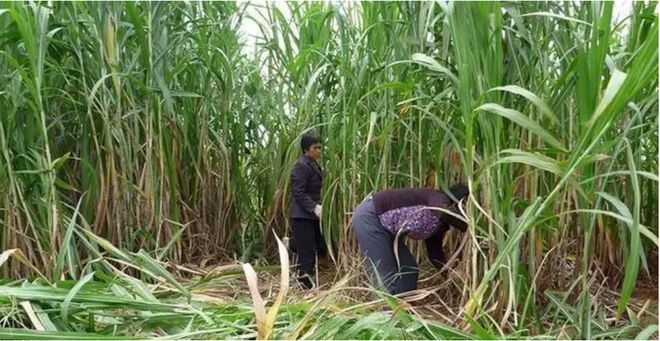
(305, 208)
(408, 212)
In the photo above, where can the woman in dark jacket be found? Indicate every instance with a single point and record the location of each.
(305, 209)
(408, 212)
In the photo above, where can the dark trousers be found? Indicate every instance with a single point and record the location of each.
(307, 241)
(377, 244)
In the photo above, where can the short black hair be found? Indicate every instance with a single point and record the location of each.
(458, 192)
(308, 140)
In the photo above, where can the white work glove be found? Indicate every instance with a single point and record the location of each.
(317, 211)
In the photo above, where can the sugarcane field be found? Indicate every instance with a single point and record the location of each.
(329, 170)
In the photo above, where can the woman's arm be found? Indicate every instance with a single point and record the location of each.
(434, 247)
(455, 222)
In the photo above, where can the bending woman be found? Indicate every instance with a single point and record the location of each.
(407, 212)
